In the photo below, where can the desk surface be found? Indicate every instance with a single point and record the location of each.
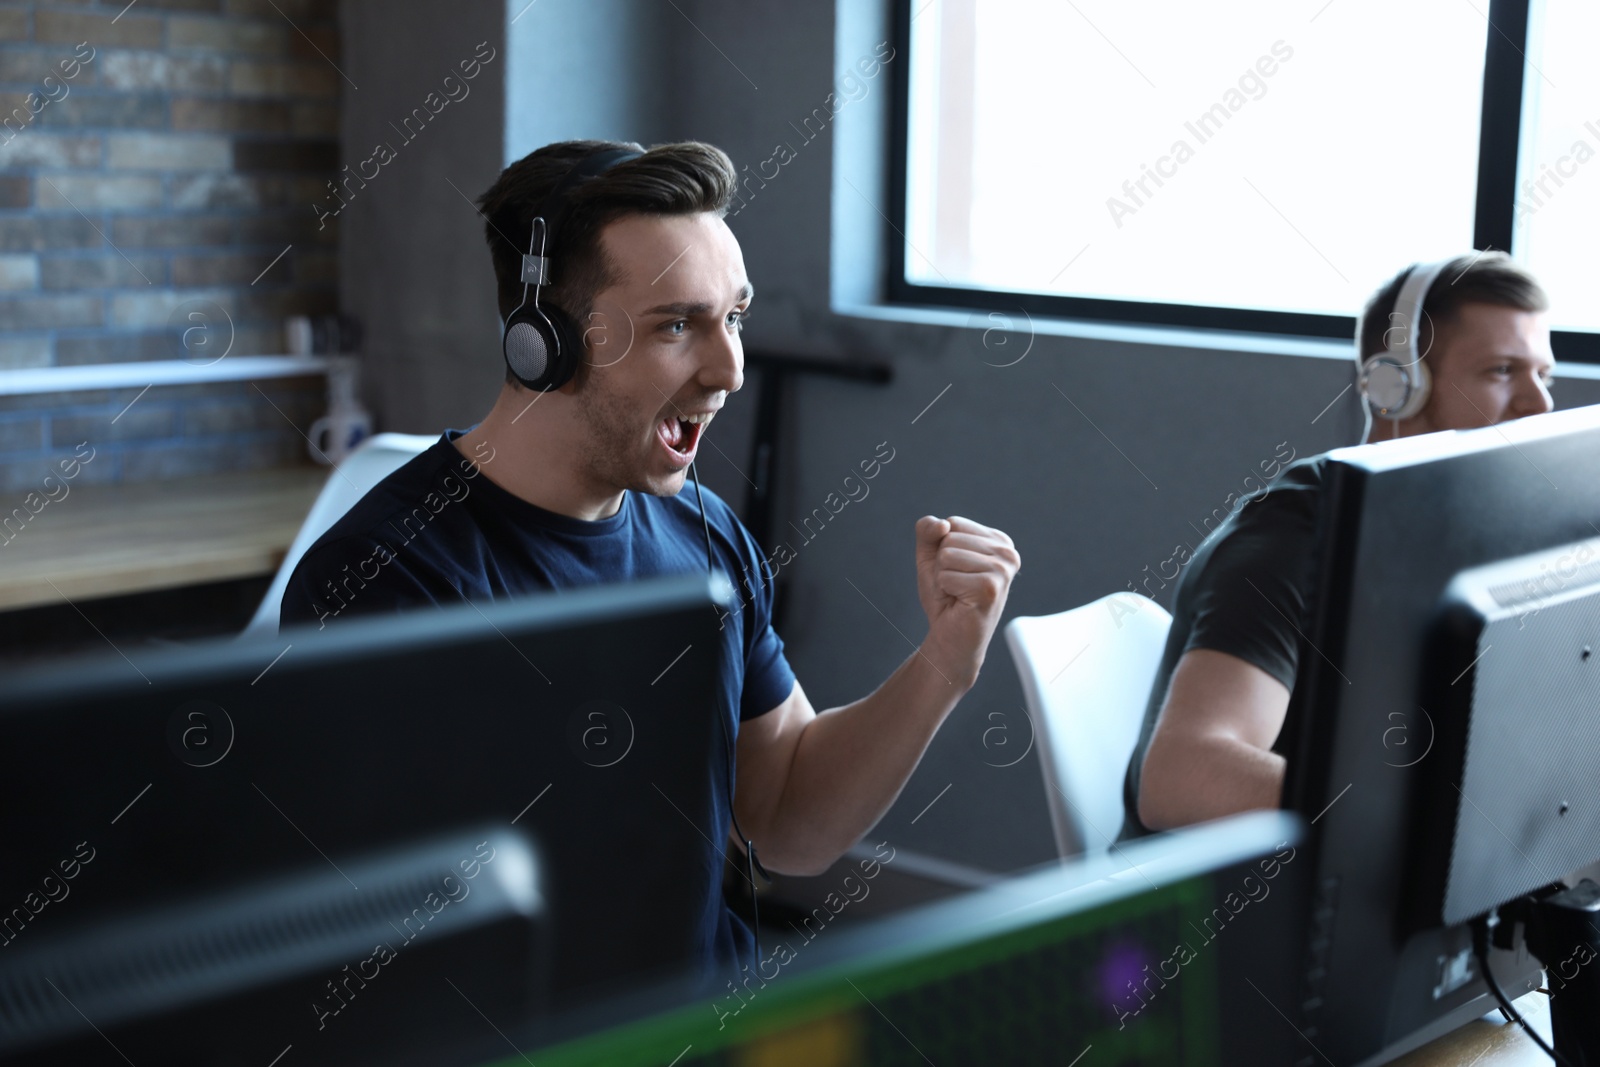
(109, 540)
(1486, 1043)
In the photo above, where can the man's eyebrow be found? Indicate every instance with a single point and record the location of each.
(688, 309)
(683, 309)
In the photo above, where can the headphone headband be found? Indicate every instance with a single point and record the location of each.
(1408, 310)
(553, 208)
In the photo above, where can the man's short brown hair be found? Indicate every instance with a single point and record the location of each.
(682, 178)
(1476, 278)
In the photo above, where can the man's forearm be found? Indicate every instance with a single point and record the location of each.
(852, 761)
(820, 781)
(1207, 778)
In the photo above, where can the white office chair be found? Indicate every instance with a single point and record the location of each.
(1086, 675)
(372, 461)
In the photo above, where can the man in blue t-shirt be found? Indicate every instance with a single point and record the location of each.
(581, 484)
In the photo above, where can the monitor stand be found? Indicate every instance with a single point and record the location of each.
(1562, 933)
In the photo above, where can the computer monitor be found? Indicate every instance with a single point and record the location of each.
(1172, 950)
(1441, 744)
(202, 850)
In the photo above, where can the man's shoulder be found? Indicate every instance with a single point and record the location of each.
(1291, 498)
(1308, 473)
(1273, 531)
(374, 531)
(424, 481)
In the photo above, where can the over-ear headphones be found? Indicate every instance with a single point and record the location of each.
(542, 346)
(1396, 382)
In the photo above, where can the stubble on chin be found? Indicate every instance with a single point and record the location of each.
(609, 455)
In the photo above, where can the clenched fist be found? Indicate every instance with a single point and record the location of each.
(964, 572)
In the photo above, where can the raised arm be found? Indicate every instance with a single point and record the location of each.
(1211, 753)
(810, 784)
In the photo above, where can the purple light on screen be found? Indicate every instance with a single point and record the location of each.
(1123, 962)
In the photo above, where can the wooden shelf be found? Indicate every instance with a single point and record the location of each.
(110, 540)
(138, 374)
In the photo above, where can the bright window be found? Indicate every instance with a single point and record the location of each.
(1558, 186)
(1256, 164)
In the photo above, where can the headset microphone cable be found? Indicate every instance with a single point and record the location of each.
(752, 863)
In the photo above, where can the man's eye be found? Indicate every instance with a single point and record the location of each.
(677, 328)
(736, 318)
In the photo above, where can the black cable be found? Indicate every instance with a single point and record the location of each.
(704, 524)
(1480, 949)
(751, 863)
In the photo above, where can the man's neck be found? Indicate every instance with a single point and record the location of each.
(1389, 429)
(529, 453)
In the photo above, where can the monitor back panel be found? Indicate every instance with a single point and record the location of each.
(1172, 959)
(584, 722)
(1399, 524)
(1522, 641)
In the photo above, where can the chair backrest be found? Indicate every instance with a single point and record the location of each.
(369, 464)
(1086, 675)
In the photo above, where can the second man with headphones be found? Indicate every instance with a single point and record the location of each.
(1443, 346)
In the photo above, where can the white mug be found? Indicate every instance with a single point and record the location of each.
(336, 434)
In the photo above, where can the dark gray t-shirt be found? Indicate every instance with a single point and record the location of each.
(1245, 591)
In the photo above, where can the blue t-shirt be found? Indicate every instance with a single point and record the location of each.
(446, 533)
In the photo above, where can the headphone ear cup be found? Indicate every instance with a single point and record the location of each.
(1395, 389)
(569, 347)
(530, 348)
(540, 348)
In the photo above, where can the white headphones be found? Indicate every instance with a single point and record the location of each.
(1396, 382)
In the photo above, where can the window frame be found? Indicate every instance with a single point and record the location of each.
(1493, 212)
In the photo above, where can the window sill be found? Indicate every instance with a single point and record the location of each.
(1128, 333)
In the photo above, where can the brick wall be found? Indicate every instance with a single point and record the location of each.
(153, 155)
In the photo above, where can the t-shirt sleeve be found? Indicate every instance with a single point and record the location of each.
(350, 576)
(1252, 596)
(768, 678)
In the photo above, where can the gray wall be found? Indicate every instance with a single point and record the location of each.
(1159, 429)
(617, 83)
(413, 265)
